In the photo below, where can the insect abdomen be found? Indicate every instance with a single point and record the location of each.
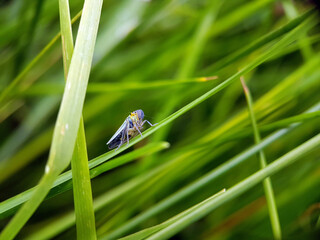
(115, 142)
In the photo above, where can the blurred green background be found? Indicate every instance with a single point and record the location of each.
(158, 56)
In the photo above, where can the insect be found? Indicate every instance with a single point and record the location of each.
(129, 129)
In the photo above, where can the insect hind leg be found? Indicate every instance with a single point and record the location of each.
(136, 127)
(119, 145)
(148, 123)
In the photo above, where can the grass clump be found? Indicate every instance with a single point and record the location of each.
(180, 62)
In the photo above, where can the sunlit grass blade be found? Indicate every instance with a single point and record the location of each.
(239, 188)
(68, 120)
(57, 88)
(267, 185)
(82, 192)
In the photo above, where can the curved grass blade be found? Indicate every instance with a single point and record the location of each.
(85, 220)
(68, 120)
(267, 185)
(57, 88)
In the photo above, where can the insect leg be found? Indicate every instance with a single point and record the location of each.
(148, 122)
(118, 146)
(127, 132)
(137, 127)
(121, 142)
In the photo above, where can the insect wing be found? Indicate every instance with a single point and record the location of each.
(119, 131)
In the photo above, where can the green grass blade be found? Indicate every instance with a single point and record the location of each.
(147, 150)
(239, 188)
(304, 44)
(85, 220)
(82, 194)
(68, 120)
(66, 35)
(267, 185)
(318, 223)
(9, 108)
(236, 16)
(57, 88)
(24, 213)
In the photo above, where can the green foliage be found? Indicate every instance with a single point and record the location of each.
(180, 62)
